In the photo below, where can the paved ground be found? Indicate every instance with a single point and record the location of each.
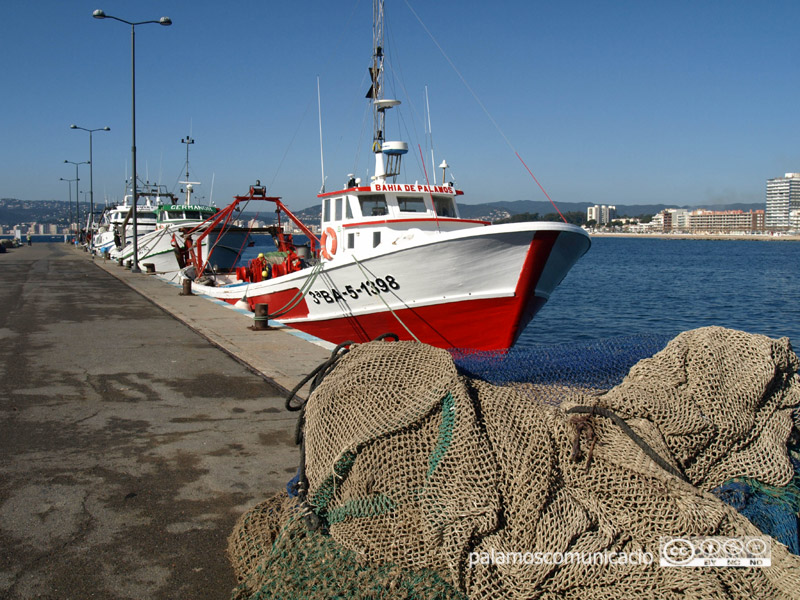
(129, 444)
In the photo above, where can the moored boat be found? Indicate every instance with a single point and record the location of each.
(398, 257)
(115, 228)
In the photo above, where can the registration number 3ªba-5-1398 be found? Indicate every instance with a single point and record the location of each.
(369, 288)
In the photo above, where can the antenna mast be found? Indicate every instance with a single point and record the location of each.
(393, 151)
(430, 133)
(376, 71)
(321, 157)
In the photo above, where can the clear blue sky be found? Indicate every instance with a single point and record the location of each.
(678, 102)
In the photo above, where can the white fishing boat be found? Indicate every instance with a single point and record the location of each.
(178, 227)
(115, 220)
(398, 257)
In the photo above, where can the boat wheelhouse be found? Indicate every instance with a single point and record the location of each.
(398, 257)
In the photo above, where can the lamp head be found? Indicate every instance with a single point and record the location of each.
(165, 21)
(73, 126)
(106, 128)
(99, 14)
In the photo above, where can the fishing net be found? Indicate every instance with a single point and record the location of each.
(426, 481)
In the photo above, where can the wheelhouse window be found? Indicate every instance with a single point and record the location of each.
(145, 214)
(193, 214)
(415, 204)
(444, 206)
(326, 209)
(373, 205)
(338, 202)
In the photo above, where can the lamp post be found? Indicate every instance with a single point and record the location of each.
(166, 21)
(91, 165)
(77, 200)
(69, 220)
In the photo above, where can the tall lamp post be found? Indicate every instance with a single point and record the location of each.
(69, 185)
(166, 21)
(91, 165)
(77, 197)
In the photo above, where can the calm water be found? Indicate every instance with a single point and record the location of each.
(626, 286)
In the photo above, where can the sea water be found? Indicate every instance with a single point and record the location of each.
(630, 286)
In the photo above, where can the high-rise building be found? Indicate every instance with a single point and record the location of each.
(601, 214)
(783, 201)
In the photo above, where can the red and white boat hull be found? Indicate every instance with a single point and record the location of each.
(474, 288)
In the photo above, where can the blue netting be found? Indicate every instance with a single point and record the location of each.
(599, 364)
(774, 510)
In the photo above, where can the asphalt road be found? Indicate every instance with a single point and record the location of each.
(129, 444)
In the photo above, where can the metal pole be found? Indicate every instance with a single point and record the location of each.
(135, 264)
(77, 205)
(69, 218)
(91, 182)
(91, 168)
(99, 14)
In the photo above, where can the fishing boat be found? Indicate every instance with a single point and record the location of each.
(115, 228)
(398, 257)
(178, 228)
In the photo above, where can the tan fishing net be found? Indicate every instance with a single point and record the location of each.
(432, 485)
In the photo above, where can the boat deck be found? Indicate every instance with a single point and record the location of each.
(132, 440)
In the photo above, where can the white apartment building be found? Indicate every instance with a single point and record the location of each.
(783, 201)
(712, 221)
(670, 219)
(601, 213)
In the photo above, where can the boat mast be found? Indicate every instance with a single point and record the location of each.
(392, 151)
(376, 70)
(189, 184)
(430, 134)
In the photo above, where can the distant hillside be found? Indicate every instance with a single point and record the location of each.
(13, 211)
(494, 211)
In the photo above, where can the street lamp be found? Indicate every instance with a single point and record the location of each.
(77, 201)
(69, 185)
(91, 165)
(166, 21)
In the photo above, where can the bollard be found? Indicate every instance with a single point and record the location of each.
(149, 267)
(119, 262)
(187, 288)
(261, 318)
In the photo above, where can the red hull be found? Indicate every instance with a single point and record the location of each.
(484, 324)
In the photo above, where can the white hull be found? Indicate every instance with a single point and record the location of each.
(492, 277)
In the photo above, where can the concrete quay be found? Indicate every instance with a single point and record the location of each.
(129, 444)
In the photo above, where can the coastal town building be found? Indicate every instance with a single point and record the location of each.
(707, 221)
(670, 219)
(712, 221)
(783, 202)
(601, 214)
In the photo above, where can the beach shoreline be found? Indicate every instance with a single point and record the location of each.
(701, 236)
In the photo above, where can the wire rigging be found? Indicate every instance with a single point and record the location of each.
(481, 104)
